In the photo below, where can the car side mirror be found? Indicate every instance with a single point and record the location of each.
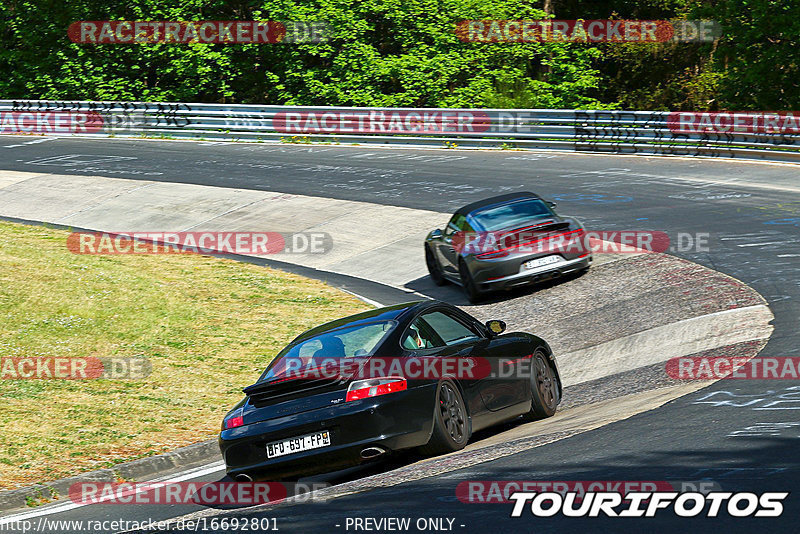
(496, 327)
(550, 203)
(436, 234)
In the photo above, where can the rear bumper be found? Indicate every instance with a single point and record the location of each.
(392, 422)
(532, 276)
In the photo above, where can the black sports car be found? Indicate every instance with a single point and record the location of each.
(504, 242)
(419, 375)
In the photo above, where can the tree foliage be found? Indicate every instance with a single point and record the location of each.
(406, 53)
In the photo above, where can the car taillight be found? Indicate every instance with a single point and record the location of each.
(233, 422)
(362, 389)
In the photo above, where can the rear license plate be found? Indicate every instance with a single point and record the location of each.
(299, 444)
(539, 262)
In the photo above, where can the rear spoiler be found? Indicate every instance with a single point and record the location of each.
(540, 227)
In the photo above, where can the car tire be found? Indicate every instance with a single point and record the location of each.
(433, 267)
(451, 426)
(471, 290)
(544, 388)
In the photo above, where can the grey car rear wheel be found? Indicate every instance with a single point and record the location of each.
(433, 267)
(470, 288)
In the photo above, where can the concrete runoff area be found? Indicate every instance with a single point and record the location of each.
(370, 241)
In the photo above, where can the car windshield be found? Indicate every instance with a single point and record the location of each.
(510, 215)
(348, 342)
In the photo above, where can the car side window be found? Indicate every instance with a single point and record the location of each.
(449, 329)
(417, 337)
(456, 224)
(307, 349)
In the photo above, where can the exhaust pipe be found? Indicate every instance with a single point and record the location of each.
(242, 477)
(372, 452)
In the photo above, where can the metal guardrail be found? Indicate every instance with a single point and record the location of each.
(611, 132)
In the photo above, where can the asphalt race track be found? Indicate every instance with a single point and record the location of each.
(740, 434)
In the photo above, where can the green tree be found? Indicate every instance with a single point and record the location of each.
(382, 53)
(757, 56)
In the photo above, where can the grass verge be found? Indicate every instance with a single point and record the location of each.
(208, 325)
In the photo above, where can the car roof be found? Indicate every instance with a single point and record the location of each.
(398, 312)
(497, 200)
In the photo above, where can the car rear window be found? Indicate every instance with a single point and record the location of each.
(512, 215)
(352, 342)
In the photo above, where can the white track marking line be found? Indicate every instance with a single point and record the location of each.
(365, 299)
(178, 477)
(34, 142)
(762, 244)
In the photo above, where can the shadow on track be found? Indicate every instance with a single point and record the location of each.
(453, 293)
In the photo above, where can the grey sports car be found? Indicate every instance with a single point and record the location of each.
(505, 242)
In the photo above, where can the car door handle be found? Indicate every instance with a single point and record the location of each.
(479, 369)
